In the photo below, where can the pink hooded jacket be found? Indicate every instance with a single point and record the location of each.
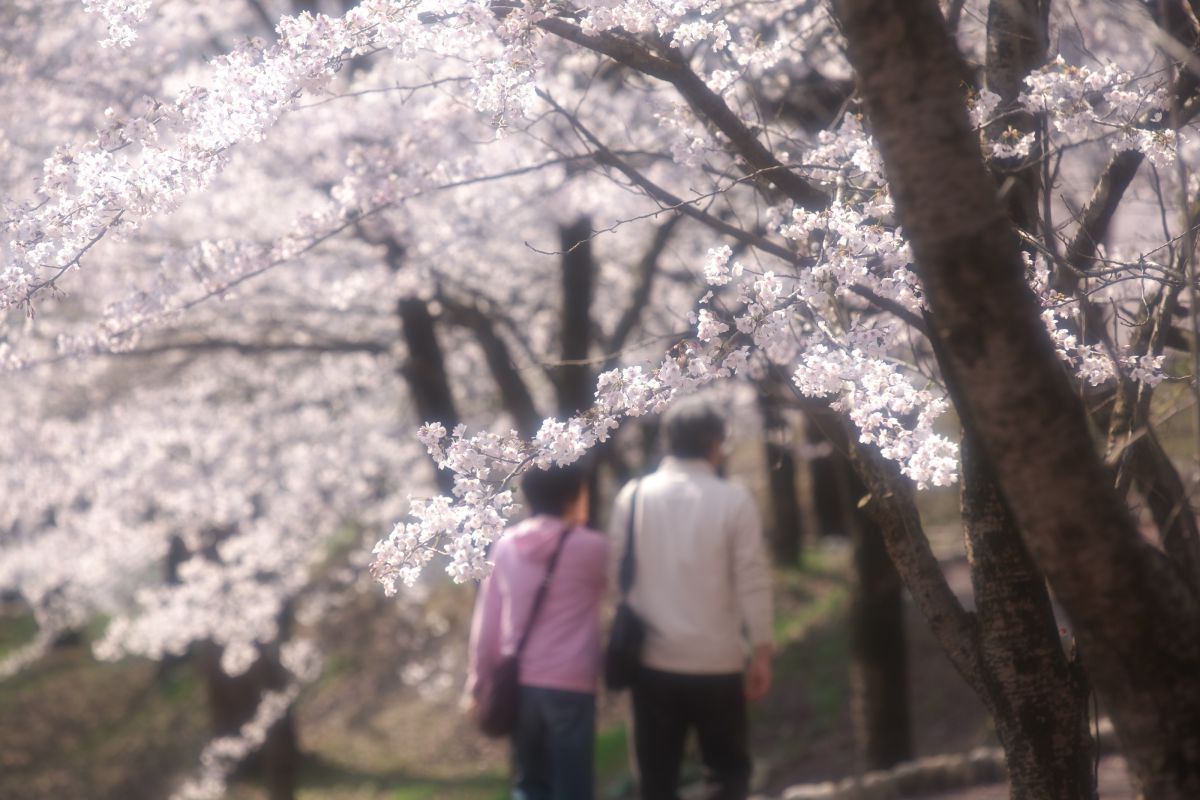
(563, 651)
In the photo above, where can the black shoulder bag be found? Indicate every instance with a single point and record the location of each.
(500, 690)
(623, 656)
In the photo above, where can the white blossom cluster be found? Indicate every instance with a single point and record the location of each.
(103, 186)
(887, 409)
(1110, 103)
(854, 251)
(1008, 143)
(1093, 363)
(122, 18)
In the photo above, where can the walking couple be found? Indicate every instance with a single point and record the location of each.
(702, 589)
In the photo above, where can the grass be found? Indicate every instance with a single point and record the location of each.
(15, 631)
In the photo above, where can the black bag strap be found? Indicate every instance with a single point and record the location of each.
(629, 558)
(542, 588)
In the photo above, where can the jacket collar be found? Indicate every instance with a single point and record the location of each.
(687, 466)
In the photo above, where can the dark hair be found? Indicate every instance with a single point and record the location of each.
(552, 490)
(693, 428)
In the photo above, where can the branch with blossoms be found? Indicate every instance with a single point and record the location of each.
(138, 168)
(121, 17)
(851, 251)
(214, 269)
(485, 465)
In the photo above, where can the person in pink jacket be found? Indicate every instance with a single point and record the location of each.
(559, 668)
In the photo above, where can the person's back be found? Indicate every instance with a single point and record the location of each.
(701, 567)
(702, 587)
(559, 664)
(563, 651)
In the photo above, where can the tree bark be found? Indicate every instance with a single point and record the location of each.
(890, 505)
(1136, 620)
(513, 391)
(1141, 461)
(574, 384)
(1038, 698)
(1016, 44)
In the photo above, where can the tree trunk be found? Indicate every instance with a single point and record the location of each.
(827, 473)
(424, 372)
(232, 702)
(574, 384)
(827, 470)
(787, 528)
(513, 391)
(1135, 617)
(879, 697)
(1038, 698)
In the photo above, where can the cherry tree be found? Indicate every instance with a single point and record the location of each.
(291, 198)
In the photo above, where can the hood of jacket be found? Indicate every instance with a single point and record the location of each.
(535, 538)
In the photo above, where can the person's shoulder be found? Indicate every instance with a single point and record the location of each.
(503, 546)
(627, 490)
(735, 492)
(591, 538)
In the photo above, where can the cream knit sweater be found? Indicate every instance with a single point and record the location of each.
(703, 584)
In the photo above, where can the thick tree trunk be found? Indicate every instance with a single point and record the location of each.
(879, 697)
(1016, 44)
(1038, 698)
(1135, 617)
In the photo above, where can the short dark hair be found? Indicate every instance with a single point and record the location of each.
(552, 490)
(693, 428)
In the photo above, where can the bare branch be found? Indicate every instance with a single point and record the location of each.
(666, 64)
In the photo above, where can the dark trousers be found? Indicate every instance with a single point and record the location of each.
(553, 743)
(666, 705)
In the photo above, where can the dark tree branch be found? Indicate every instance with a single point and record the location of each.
(665, 63)
(1139, 455)
(513, 391)
(647, 269)
(259, 348)
(892, 506)
(424, 371)
(1096, 219)
(954, 15)
(606, 157)
(573, 375)
(259, 11)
